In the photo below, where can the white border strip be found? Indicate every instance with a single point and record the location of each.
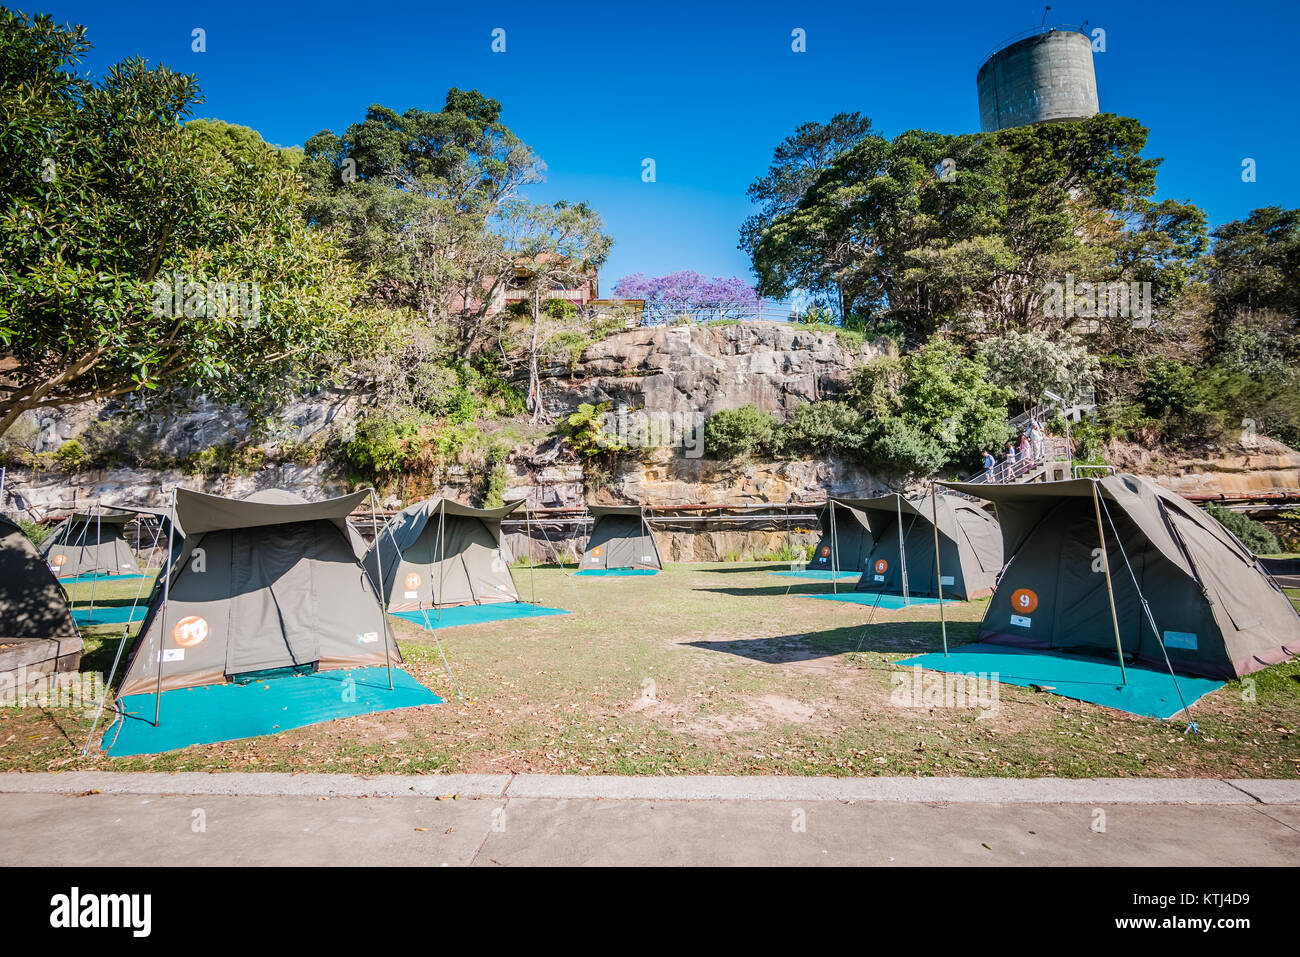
(683, 788)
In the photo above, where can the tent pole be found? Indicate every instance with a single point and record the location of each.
(1110, 590)
(902, 552)
(423, 612)
(442, 553)
(162, 630)
(579, 524)
(835, 550)
(649, 514)
(532, 578)
(644, 529)
(438, 644)
(121, 645)
(94, 578)
(938, 567)
(66, 533)
(383, 603)
(1151, 618)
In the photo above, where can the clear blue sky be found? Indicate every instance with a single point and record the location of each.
(708, 89)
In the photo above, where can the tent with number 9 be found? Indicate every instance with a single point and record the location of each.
(1183, 585)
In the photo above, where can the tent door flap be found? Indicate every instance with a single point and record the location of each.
(272, 619)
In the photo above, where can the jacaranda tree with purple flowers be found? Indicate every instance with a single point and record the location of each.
(691, 295)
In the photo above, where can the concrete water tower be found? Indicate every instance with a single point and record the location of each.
(1046, 77)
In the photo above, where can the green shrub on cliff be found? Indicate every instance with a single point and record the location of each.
(912, 415)
(70, 456)
(741, 433)
(585, 430)
(1253, 535)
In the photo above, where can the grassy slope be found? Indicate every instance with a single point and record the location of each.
(708, 669)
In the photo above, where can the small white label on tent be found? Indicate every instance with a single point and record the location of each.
(594, 560)
(647, 558)
(947, 580)
(1180, 639)
(502, 588)
(370, 637)
(173, 654)
(411, 594)
(878, 578)
(1020, 621)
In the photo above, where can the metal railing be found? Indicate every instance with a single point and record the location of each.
(1054, 452)
(1034, 32)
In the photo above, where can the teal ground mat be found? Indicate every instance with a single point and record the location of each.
(1149, 692)
(108, 615)
(99, 576)
(617, 572)
(888, 602)
(476, 614)
(226, 712)
(822, 575)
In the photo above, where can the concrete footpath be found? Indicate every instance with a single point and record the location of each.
(101, 818)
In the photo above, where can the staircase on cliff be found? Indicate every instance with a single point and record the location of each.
(1053, 465)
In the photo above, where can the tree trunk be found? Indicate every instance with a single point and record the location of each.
(534, 378)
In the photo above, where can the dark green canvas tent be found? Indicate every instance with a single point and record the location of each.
(902, 557)
(90, 543)
(36, 627)
(438, 553)
(620, 538)
(1218, 613)
(846, 541)
(264, 584)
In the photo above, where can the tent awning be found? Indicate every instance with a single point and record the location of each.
(198, 512)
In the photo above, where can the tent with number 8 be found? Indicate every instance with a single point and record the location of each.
(90, 543)
(904, 535)
(437, 553)
(620, 539)
(1102, 565)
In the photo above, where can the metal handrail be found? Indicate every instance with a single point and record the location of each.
(1035, 31)
(1078, 469)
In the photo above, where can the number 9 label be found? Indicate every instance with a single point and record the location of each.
(1024, 601)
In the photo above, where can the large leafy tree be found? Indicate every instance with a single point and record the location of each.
(1033, 362)
(417, 195)
(108, 205)
(241, 143)
(1254, 304)
(797, 162)
(1255, 265)
(929, 230)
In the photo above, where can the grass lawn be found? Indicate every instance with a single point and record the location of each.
(720, 669)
